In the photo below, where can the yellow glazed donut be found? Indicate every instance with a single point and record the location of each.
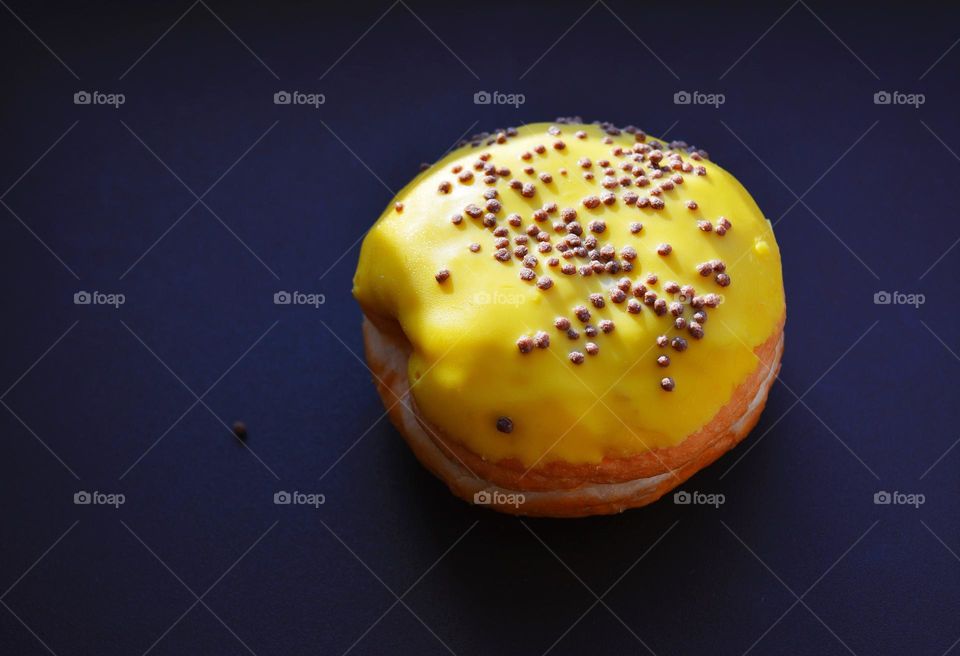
(571, 319)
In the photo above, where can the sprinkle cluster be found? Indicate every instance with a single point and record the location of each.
(551, 242)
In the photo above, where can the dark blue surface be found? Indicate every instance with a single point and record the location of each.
(878, 383)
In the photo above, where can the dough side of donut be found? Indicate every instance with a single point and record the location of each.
(557, 489)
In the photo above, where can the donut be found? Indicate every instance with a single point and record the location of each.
(569, 319)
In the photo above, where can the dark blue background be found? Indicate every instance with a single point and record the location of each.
(878, 386)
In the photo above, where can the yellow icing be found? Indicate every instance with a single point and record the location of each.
(466, 369)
